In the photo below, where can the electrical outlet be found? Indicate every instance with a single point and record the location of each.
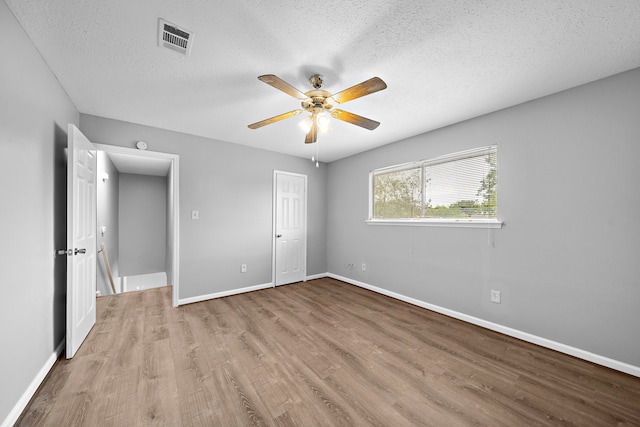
(364, 267)
(243, 268)
(195, 215)
(495, 296)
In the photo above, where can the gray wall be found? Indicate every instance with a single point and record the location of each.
(143, 224)
(231, 186)
(107, 215)
(34, 114)
(566, 260)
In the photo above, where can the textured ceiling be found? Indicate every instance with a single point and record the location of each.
(443, 61)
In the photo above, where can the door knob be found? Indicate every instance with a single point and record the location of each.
(79, 251)
(278, 236)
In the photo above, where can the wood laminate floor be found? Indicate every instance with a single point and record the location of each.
(320, 353)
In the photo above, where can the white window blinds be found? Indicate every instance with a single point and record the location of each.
(457, 186)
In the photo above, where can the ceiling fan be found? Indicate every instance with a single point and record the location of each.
(319, 103)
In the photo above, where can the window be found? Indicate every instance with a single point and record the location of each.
(458, 189)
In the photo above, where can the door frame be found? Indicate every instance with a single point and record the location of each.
(173, 217)
(275, 221)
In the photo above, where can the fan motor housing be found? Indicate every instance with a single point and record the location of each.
(317, 99)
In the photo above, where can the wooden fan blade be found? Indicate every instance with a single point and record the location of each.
(280, 84)
(355, 119)
(312, 135)
(370, 86)
(275, 119)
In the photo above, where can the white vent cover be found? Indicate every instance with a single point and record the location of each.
(174, 38)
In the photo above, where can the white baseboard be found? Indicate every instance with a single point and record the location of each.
(525, 336)
(317, 276)
(33, 387)
(224, 293)
(240, 291)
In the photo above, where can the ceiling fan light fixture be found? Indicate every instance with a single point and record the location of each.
(306, 124)
(323, 120)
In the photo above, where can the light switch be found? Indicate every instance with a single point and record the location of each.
(195, 215)
(103, 230)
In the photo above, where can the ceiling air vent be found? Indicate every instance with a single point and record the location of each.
(174, 38)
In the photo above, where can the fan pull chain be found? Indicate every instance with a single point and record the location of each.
(316, 158)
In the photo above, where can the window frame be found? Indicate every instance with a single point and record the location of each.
(431, 222)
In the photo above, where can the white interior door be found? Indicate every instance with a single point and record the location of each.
(290, 219)
(81, 239)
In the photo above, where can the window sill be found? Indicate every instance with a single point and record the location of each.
(462, 223)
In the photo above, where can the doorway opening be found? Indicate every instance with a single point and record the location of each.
(151, 179)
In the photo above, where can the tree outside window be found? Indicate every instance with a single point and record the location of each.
(458, 186)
